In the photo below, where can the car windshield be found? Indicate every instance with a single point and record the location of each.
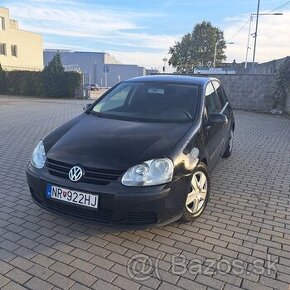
(150, 102)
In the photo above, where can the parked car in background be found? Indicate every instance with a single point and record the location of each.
(141, 154)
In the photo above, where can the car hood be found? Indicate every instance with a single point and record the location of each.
(96, 142)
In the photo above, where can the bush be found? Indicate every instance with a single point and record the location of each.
(57, 82)
(24, 83)
(53, 78)
(3, 81)
(72, 83)
(282, 86)
(52, 82)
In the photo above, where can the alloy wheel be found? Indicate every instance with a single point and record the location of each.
(196, 198)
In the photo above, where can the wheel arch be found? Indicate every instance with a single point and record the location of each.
(204, 160)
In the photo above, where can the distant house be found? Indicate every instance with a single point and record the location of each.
(99, 68)
(19, 49)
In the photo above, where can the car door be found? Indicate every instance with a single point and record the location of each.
(214, 134)
(226, 106)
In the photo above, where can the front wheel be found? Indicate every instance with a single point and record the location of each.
(198, 196)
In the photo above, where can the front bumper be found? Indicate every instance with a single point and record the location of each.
(118, 204)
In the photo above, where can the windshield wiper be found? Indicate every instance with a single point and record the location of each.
(95, 113)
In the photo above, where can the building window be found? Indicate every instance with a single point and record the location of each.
(14, 51)
(2, 23)
(3, 49)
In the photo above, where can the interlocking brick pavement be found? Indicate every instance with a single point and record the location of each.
(247, 220)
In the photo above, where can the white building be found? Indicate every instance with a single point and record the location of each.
(19, 49)
(98, 67)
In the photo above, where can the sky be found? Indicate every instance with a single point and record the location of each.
(141, 31)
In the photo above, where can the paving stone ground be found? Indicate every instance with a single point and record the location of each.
(242, 241)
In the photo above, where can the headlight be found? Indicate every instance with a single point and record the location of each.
(38, 156)
(152, 172)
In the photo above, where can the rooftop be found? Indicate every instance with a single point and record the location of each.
(173, 78)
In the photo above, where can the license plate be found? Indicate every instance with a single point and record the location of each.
(72, 196)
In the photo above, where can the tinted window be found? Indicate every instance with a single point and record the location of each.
(212, 102)
(150, 102)
(220, 92)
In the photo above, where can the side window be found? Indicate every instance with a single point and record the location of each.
(212, 102)
(220, 92)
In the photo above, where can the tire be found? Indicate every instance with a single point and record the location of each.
(200, 189)
(230, 145)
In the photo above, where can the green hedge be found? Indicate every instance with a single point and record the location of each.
(52, 82)
(3, 81)
(27, 83)
(72, 81)
(24, 83)
(281, 88)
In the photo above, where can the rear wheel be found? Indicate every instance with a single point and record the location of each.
(229, 149)
(198, 196)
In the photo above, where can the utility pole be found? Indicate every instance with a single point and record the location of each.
(249, 33)
(215, 53)
(256, 35)
(248, 43)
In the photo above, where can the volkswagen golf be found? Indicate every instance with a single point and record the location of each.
(141, 154)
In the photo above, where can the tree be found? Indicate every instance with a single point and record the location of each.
(3, 81)
(281, 86)
(198, 48)
(53, 77)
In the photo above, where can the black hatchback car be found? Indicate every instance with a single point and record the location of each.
(141, 154)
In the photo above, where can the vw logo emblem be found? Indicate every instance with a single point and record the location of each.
(76, 173)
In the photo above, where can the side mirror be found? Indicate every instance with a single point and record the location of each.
(86, 106)
(218, 119)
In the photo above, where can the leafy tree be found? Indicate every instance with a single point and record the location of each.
(53, 77)
(3, 81)
(198, 48)
(282, 86)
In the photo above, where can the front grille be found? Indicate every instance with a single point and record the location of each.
(141, 218)
(100, 215)
(92, 175)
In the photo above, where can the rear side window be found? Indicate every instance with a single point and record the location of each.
(212, 102)
(220, 92)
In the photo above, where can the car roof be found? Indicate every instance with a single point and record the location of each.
(183, 79)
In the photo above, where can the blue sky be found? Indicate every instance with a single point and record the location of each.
(141, 32)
